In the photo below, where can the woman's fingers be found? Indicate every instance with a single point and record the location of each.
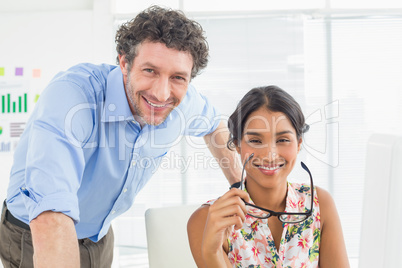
(232, 211)
(240, 193)
(227, 212)
(232, 197)
(218, 223)
(230, 205)
(225, 222)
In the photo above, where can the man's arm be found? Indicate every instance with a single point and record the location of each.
(54, 240)
(227, 159)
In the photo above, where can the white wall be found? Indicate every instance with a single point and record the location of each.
(51, 40)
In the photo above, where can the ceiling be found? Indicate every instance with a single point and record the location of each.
(44, 5)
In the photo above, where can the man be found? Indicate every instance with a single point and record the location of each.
(96, 136)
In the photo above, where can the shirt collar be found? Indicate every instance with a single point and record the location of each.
(297, 200)
(116, 105)
(252, 221)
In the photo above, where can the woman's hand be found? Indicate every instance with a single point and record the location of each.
(209, 227)
(229, 210)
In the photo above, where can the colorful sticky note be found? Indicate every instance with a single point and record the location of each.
(36, 73)
(1, 71)
(19, 71)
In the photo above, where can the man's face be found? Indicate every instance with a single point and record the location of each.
(157, 81)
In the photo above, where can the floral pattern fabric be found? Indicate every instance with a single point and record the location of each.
(253, 246)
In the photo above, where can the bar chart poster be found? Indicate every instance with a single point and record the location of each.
(13, 98)
(20, 88)
(6, 144)
(14, 111)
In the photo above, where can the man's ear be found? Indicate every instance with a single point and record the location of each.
(123, 65)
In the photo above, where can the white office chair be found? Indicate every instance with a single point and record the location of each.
(167, 238)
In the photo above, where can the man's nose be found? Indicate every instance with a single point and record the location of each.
(161, 90)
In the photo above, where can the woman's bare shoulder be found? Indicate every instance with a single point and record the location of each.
(198, 218)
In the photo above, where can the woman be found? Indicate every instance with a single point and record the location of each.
(265, 221)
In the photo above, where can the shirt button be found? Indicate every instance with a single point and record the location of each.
(113, 211)
(125, 190)
(133, 163)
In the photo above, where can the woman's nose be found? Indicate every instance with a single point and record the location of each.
(271, 153)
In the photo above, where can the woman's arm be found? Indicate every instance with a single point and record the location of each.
(209, 225)
(332, 248)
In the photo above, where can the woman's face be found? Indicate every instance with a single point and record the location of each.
(272, 138)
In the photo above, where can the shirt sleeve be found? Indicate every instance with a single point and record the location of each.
(61, 124)
(200, 115)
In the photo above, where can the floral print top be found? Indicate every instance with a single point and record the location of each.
(253, 246)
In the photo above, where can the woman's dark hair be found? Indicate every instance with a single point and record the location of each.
(274, 99)
(167, 26)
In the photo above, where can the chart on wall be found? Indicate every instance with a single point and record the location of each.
(19, 90)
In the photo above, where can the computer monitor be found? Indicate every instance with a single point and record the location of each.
(381, 236)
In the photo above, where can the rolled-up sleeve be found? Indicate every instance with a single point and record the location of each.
(201, 116)
(62, 124)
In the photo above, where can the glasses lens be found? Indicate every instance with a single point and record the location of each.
(292, 218)
(257, 213)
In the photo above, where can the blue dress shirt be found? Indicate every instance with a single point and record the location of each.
(83, 154)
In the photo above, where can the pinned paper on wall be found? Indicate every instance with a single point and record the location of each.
(19, 92)
(14, 110)
(36, 73)
(19, 71)
(5, 141)
(16, 129)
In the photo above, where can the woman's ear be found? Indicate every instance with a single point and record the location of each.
(299, 144)
(237, 147)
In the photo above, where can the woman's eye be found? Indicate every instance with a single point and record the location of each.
(254, 141)
(283, 140)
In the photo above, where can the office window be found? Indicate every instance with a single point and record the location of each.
(345, 73)
(370, 4)
(212, 6)
(244, 53)
(356, 62)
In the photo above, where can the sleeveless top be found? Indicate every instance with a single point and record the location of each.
(253, 246)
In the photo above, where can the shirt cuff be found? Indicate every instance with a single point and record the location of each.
(66, 203)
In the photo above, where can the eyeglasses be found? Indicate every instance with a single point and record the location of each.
(285, 217)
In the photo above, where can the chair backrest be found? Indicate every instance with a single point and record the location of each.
(167, 238)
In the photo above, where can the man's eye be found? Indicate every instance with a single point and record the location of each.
(149, 70)
(179, 78)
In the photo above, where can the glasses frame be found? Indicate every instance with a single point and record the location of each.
(274, 213)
